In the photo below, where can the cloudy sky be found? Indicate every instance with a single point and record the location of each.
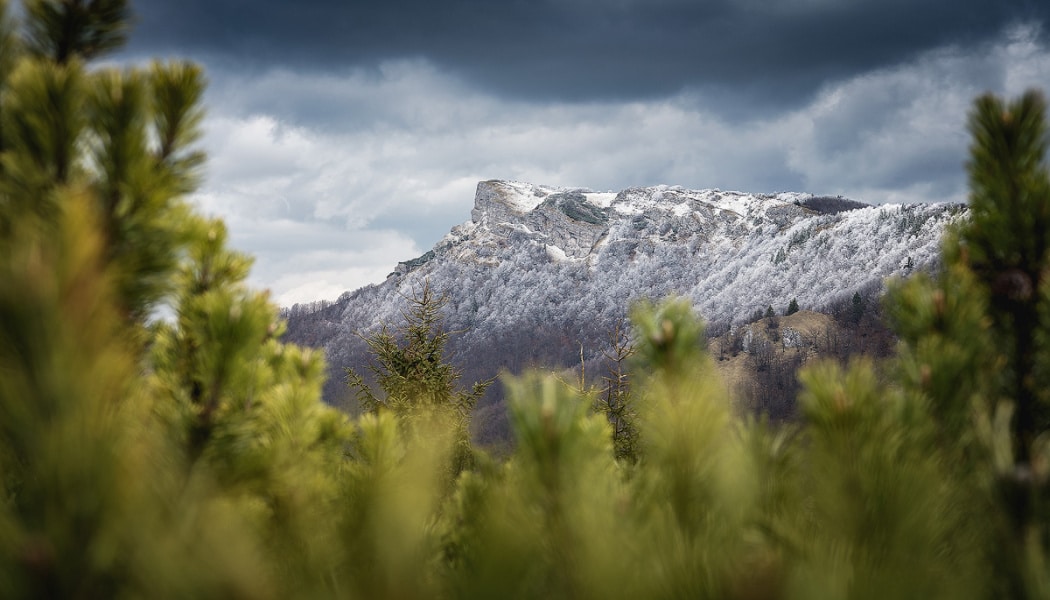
(347, 135)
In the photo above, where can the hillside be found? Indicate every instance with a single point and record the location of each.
(539, 272)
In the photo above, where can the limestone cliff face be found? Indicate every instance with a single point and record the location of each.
(495, 202)
(575, 220)
(571, 224)
(564, 218)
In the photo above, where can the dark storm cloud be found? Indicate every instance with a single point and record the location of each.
(746, 52)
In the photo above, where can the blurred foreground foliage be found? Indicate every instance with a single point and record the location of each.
(190, 456)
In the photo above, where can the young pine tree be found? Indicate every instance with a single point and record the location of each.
(975, 339)
(614, 399)
(60, 31)
(413, 377)
(190, 458)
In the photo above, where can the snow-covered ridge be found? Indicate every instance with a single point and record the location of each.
(558, 266)
(510, 199)
(730, 252)
(578, 223)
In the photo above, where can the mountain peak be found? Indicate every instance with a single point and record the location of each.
(728, 251)
(498, 201)
(561, 265)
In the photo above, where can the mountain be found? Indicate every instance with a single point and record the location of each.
(540, 274)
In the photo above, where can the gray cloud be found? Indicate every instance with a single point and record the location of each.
(754, 54)
(332, 202)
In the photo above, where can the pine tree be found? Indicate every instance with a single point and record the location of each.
(614, 400)
(65, 30)
(975, 338)
(856, 311)
(410, 368)
(137, 127)
(1007, 243)
(177, 458)
(412, 374)
(792, 307)
(9, 51)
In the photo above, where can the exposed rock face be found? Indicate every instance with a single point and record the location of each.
(569, 222)
(495, 202)
(539, 271)
(564, 219)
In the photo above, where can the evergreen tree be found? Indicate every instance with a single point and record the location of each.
(9, 51)
(975, 338)
(410, 368)
(856, 311)
(792, 307)
(413, 377)
(65, 30)
(614, 400)
(1007, 245)
(127, 135)
(174, 459)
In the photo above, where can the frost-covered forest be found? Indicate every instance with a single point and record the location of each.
(539, 272)
(193, 456)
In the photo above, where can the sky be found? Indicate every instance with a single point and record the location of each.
(345, 136)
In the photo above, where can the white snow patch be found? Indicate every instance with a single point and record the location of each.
(519, 227)
(628, 208)
(556, 254)
(681, 210)
(524, 197)
(737, 203)
(600, 199)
